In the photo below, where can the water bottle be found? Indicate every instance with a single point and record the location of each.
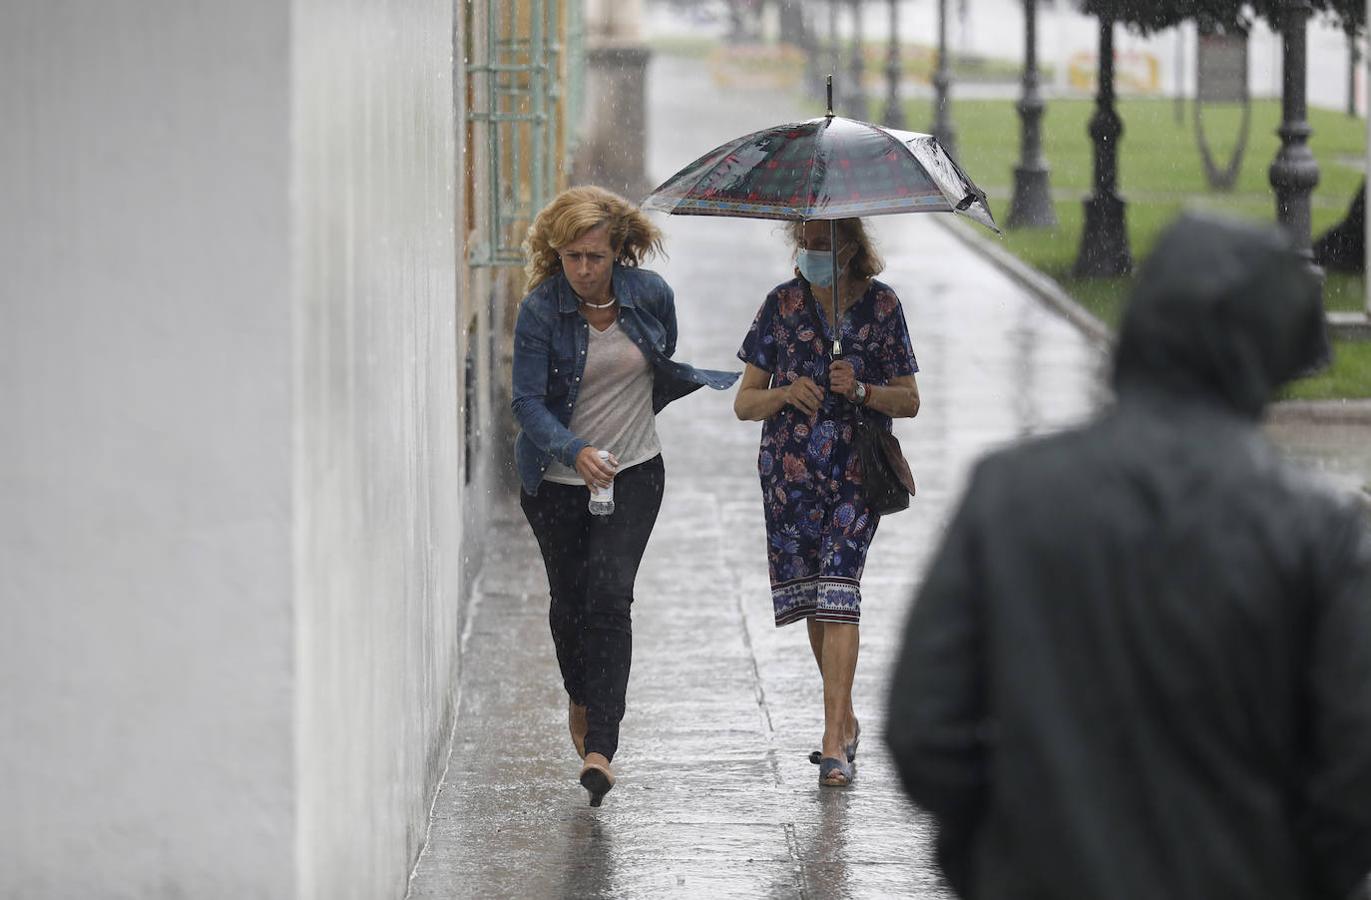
(602, 499)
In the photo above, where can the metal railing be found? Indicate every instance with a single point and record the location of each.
(523, 110)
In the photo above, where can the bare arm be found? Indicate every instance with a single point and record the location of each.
(756, 400)
(899, 399)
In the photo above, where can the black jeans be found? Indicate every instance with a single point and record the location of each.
(592, 562)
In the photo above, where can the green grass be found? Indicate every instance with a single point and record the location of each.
(1161, 175)
(1349, 375)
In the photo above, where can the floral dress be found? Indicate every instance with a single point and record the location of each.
(818, 526)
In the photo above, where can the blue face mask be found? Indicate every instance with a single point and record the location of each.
(817, 266)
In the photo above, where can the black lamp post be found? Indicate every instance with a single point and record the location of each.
(1353, 58)
(1031, 206)
(1294, 173)
(942, 121)
(894, 108)
(856, 93)
(1104, 238)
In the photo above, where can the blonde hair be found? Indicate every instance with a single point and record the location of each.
(575, 211)
(866, 262)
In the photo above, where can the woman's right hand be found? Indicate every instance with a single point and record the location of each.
(804, 395)
(596, 472)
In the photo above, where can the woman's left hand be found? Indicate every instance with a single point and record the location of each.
(842, 378)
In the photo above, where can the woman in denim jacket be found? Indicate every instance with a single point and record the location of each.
(592, 367)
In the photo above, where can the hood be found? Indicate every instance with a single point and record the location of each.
(1222, 310)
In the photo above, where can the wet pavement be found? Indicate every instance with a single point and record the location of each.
(1330, 438)
(716, 796)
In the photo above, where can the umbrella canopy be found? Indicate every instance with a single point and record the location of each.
(824, 168)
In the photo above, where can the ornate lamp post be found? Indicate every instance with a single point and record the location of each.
(942, 122)
(1294, 173)
(894, 108)
(856, 93)
(1031, 206)
(1104, 239)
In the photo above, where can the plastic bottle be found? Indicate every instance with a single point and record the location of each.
(602, 499)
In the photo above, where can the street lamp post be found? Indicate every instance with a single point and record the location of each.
(1031, 206)
(1353, 59)
(856, 93)
(942, 121)
(1104, 239)
(1294, 173)
(894, 108)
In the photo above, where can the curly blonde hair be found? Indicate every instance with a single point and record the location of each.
(574, 212)
(866, 263)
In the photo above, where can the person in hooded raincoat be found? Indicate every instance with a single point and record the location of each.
(1140, 663)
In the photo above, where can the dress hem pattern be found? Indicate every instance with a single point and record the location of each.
(823, 599)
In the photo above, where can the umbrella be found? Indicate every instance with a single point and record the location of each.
(827, 168)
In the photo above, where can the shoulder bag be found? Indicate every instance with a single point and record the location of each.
(886, 479)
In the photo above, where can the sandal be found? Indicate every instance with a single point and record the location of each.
(598, 780)
(835, 772)
(850, 750)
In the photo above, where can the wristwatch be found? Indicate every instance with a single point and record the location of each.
(860, 394)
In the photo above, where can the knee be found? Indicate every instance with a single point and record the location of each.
(611, 611)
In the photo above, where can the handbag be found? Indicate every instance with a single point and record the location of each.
(886, 479)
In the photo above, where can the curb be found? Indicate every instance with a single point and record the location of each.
(1352, 326)
(1342, 412)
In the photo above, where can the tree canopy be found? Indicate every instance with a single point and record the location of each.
(1152, 15)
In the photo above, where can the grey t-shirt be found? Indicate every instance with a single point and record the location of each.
(614, 405)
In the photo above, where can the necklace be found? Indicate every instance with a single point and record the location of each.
(599, 305)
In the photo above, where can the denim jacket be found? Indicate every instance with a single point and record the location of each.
(550, 339)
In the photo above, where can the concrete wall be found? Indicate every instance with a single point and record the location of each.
(145, 454)
(377, 442)
(230, 472)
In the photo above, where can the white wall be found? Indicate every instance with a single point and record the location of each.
(145, 506)
(377, 442)
(230, 538)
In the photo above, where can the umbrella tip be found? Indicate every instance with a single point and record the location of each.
(830, 97)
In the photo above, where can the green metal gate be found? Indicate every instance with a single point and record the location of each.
(525, 62)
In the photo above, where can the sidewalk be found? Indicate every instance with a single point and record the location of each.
(716, 797)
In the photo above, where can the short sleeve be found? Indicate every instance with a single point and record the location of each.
(897, 352)
(759, 346)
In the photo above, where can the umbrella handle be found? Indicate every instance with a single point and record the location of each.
(833, 291)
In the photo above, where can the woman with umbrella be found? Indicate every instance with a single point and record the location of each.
(818, 522)
(821, 175)
(592, 366)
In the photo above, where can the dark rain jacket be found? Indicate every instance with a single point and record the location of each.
(1139, 667)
